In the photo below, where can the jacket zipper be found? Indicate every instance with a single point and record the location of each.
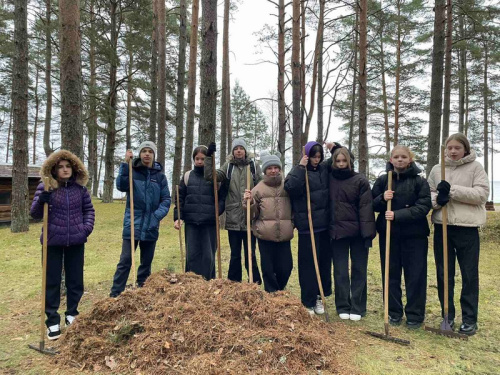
(67, 201)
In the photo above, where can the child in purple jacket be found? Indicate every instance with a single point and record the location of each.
(71, 220)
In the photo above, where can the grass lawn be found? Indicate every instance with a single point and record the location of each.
(20, 273)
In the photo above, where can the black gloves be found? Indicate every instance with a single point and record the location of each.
(211, 149)
(44, 197)
(444, 187)
(442, 199)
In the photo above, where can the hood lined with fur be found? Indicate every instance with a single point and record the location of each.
(80, 174)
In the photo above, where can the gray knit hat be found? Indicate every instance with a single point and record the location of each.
(239, 142)
(149, 144)
(267, 159)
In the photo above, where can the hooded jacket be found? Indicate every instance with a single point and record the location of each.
(197, 199)
(351, 206)
(71, 213)
(271, 210)
(295, 185)
(468, 194)
(235, 215)
(151, 199)
(411, 202)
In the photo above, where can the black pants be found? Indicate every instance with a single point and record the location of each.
(237, 237)
(409, 255)
(309, 290)
(73, 265)
(125, 263)
(276, 263)
(350, 295)
(463, 245)
(201, 245)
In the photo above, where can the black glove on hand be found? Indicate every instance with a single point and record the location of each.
(44, 197)
(444, 187)
(368, 243)
(211, 149)
(442, 199)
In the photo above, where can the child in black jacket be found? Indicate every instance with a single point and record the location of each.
(411, 202)
(196, 198)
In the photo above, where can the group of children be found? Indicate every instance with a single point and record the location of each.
(342, 207)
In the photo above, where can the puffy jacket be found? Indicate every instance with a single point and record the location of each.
(468, 194)
(71, 213)
(295, 185)
(235, 216)
(271, 210)
(197, 199)
(411, 202)
(151, 199)
(351, 206)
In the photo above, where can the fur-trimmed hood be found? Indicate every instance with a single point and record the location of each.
(80, 174)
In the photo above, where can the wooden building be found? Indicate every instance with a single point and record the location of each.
(6, 187)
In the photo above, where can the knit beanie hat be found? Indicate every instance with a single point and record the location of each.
(149, 144)
(239, 142)
(267, 159)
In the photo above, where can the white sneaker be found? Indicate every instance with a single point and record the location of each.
(344, 316)
(54, 332)
(319, 308)
(310, 310)
(355, 317)
(69, 320)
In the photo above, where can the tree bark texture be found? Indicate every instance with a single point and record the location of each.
(130, 89)
(71, 77)
(354, 75)
(296, 93)
(302, 63)
(179, 108)
(93, 183)
(447, 72)
(384, 90)
(153, 113)
(485, 108)
(462, 58)
(162, 84)
(37, 107)
(208, 73)
(319, 137)
(20, 192)
(226, 93)
(436, 86)
(193, 51)
(281, 81)
(363, 46)
(398, 78)
(48, 81)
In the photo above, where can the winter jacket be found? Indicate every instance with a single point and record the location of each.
(235, 215)
(351, 206)
(468, 194)
(411, 202)
(271, 210)
(295, 185)
(71, 213)
(197, 199)
(151, 199)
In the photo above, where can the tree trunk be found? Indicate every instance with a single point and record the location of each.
(103, 148)
(37, 107)
(354, 76)
(71, 78)
(317, 51)
(208, 73)
(296, 72)
(130, 88)
(436, 86)
(193, 51)
(398, 76)
(485, 108)
(162, 84)
(363, 46)
(154, 75)
(461, 76)
(225, 103)
(48, 82)
(447, 72)
(281, 81)
(384, 90)
(93, 183)
(319, 137)
(179, 110)
(302, 64)
(466, 125)
(9, 133)
(109, 162)
(20, 192)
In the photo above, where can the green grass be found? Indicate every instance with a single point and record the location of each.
(20, 273)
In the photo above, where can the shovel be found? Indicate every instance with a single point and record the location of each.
(385, 335)
(217, 228)
(249, 232)
(132, 227)
(183, 264)
(41, 345)
(445, 328)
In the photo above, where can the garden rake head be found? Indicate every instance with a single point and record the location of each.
(446, 330)
(387, 337)
(42, 349)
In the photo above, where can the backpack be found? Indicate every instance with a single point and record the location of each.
(224, 189)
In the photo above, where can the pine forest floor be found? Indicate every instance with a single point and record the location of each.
(20, 273)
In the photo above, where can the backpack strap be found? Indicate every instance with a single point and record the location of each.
(230, 168)
(186, 177)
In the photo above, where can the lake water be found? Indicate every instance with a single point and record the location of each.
(495, 191)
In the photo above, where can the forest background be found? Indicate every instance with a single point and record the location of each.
(100, 76)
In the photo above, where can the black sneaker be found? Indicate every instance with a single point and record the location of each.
(394, 321)
(413, 325)
(69, 320)
(468, 329)
(54, 332)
